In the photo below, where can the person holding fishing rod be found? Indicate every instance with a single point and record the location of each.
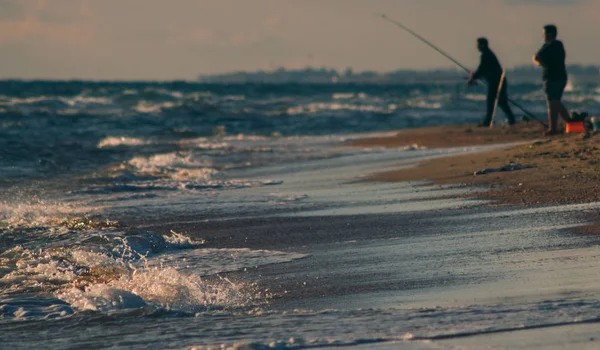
(551, 57)
(529, 115)
(491, 70)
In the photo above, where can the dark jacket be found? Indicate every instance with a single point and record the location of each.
(489, 68)
(552, 59)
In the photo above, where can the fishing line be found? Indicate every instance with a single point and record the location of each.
(398, 24)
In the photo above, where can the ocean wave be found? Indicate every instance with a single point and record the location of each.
(348, 95)
(36, 212)
(113, 141)
(50, 129)
(313, 108)
(165, 288)
(163, 164)
(475, 97)
(152, 107)
(107, 269)
(424, 104)
(59, 102)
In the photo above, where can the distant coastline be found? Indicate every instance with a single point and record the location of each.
(323, 75)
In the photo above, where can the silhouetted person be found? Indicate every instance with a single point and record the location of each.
(554, 75)
(491, 70)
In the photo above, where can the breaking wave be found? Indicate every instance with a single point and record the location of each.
(76, 264)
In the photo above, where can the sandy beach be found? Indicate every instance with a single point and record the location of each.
(342, 234)
(561, 169)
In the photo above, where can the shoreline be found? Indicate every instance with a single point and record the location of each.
(557, 170)
(453, 136)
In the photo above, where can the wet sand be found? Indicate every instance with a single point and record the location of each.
(570, 336)
(503, 263)
(421, 259)
(454, 136)
(556, 170)
(560, 169)
(506, 260)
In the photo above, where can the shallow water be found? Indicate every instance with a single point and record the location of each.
(176, 215)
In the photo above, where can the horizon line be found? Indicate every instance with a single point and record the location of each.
(198, 77)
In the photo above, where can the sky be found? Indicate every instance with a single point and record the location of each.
(180, 39)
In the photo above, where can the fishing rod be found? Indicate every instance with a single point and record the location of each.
(398, 24)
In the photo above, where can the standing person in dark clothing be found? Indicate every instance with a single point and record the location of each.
(554, 75)
(490, 70)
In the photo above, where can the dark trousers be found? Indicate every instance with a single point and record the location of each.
(502, 102)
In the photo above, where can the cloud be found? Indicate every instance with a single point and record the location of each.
(56, 23)
(219, 38)
(61, 12)
(157, 39)
(11, 10)
(545, 2)
(28, 29)
(274, 22)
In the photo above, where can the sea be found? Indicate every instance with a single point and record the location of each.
(180, 215)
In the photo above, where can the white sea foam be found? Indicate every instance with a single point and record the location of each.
(38, 212)
(172, 281)
(324, 107)
(582, 98)
(166, 288)
(77, 101)
(204, 143)
(113, 141)
(569, 87)
(180, 241)
(152, 107)
(131, 272)
(102, 298)
(424, 104)
(475, 97)
(342, 96)
(26, 101)
(173, 164)
(233, 98)
(84, 101)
